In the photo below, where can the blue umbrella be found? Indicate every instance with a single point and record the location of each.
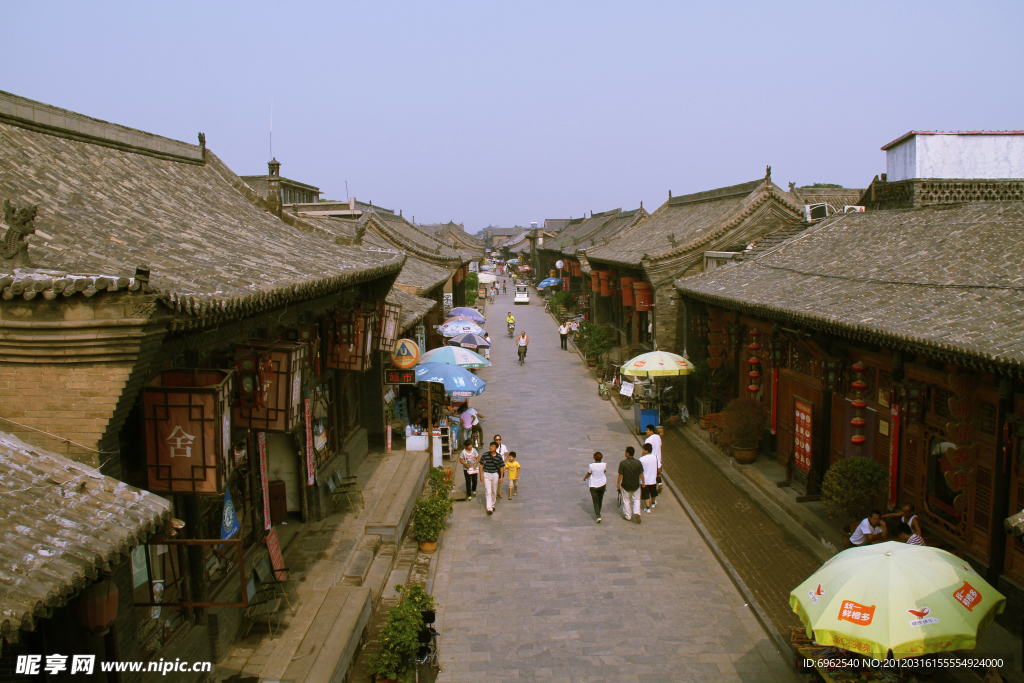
(470, 313)
(470, 341)
(549, 282)
(457, 381)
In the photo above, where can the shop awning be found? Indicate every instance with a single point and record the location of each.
(62, 525)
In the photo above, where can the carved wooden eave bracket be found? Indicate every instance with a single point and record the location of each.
(20, 224)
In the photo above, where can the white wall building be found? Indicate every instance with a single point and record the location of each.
(983, 154)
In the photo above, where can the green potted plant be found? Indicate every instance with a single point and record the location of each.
(852, 486)
(441, 481)
(429, 516)
(744, 421)
(399, 636)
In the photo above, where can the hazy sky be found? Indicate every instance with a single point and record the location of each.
(505, 113)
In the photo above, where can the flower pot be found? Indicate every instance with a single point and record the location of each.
(744, 456)
(428, 546)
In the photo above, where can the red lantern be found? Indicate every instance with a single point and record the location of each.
(858, 422)
(96, 607)
(644, 295)
(628, 299)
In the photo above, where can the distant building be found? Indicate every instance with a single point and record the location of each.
(291, 191)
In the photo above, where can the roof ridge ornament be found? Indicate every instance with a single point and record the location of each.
(767, 174)
(19, 226)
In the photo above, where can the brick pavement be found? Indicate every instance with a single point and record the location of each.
(768, 559)
(539, 591)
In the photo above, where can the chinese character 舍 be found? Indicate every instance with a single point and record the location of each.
(181, 443)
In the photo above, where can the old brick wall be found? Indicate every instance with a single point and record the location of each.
(666, 311)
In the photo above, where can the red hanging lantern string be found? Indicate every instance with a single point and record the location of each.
(858, 421)
(755, 363)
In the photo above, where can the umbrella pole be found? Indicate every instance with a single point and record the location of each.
(430, 424)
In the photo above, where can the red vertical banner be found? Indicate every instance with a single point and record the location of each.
(310, 466)
(276, 558)
(775, 399)
(388, 443)
(802, 435)
(894, 453)
(261, 441)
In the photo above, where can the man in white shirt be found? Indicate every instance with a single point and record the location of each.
(563, 332)
(655, 441)
(649, 492)
(870, 530)
(503, 452)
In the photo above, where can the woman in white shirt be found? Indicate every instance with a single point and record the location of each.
(598, 482)
(469, 459)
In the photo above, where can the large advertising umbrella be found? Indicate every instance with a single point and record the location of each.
(910, 599)
(470, 341)
(486, 278)
(457, 381)
(549, 282)
(657, 364)
(454, 328)
(471, 313)
(455, 355)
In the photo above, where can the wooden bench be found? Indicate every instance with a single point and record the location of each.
(712, 424)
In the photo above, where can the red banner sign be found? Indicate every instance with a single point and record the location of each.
(856, 613)
(775, 399)
(276, 559)
(261, 441)
(968, 596)
(310, 467)
(802, 435)
(894, 454)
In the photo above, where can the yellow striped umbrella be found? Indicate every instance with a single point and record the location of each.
(657, 364)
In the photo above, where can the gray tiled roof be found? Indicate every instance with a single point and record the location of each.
(210, 248)
(683, 221)
(946, 277)
(422, 275)
(835, 197)
(65, 524)
(602, 232)
(414, 308)
(405, 235)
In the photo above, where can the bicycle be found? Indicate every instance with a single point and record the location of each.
(426, 655)
(522, 355)
(511, 330)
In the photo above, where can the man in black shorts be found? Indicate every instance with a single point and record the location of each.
(650, 478)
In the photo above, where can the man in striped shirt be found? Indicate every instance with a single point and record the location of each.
(908, 536)
(492, 467)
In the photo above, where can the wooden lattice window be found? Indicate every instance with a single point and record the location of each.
(942, 397)
(987, 418)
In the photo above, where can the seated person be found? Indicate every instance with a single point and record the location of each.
(908, 516)
(908, 536)
(870, 530)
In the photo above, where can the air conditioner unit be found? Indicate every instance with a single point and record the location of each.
(814, 212)
(853, 209)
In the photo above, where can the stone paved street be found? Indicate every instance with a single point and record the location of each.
(539, 591)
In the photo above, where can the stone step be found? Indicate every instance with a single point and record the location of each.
(333, 639)
(392, 513)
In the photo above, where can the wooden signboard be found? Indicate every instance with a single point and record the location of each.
(276, 558)
(282, 409)
(187, 418)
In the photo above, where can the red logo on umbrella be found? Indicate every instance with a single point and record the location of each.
(920, 613)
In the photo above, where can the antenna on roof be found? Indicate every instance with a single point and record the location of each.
(346, 191)
(271, 127)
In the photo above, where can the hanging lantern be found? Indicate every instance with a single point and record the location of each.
(96, 607)
(858, 422)
(755, 363)
(644, 295)
(628, 298)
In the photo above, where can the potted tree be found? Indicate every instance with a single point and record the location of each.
(744, 421)
(428, 520)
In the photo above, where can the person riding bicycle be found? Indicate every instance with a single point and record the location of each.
(511, 322)
(522, 342)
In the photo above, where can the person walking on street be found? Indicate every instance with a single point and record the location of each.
(487, 349)
(512, 467)
(522, 343)
(655, 441)
(630, 473)
(503, 288)
(598, 483)
(563, 333)
(650, 477)
(470, 467)
(502, 450)
(492, 467)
